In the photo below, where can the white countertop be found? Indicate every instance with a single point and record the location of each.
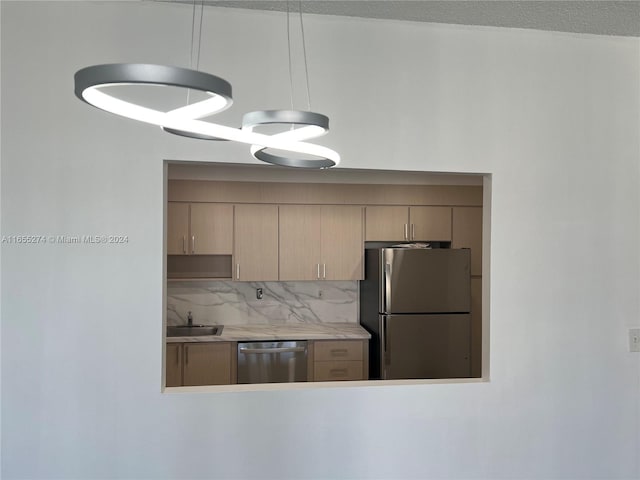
(285, 331)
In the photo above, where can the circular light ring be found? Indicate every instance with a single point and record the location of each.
(293, 162)
(198, 136)
(150, 74)
(295, 117)
(288, 117)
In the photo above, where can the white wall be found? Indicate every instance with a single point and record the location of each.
(553, 117)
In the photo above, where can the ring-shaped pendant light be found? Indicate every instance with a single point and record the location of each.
(311, 125)
(89, 80)
(198, 136)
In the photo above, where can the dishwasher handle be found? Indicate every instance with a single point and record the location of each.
(272, 350)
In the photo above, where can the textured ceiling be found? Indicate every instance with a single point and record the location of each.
(591, 16)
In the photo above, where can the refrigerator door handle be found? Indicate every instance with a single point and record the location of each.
(384, 360)
(387, 287)
(387, 352)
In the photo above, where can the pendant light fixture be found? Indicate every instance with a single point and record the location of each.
(94, 86)
(301, 124)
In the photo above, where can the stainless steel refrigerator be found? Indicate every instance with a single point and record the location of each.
(416, 304)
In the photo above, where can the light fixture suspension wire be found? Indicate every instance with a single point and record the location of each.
(304, 52)
(289, 50)
(193, 34)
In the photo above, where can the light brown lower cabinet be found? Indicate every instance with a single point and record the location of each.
(192, 364)
(335, 360)
(173, 365)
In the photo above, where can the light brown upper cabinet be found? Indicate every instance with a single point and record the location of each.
(320, 242)
(211, 229)
(408, 223)
(299, 251)
(467, 233)
(177, 228)
(386, 223)
(199, 229)
(255, 242)
(342, 246)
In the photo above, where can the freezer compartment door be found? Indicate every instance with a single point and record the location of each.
(426, 346)
(425, 281)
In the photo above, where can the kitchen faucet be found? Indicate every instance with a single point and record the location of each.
(189, 319)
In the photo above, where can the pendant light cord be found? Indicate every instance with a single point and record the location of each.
(193, 34)
(200, 34)
(304, 52)
(289, 50)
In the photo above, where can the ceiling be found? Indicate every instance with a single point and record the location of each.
(588, 16)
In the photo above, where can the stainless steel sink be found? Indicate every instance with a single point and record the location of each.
(193, 330)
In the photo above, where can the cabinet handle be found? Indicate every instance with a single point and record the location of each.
(339, 352)
(318, 272)
(193, 244)
(413, 231)
(186, 355)
(338, 372)
(406, 231)
(178, 356)
(324, 270)
(237, 271)
(184, 247)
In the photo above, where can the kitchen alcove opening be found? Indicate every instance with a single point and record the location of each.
(273, 255)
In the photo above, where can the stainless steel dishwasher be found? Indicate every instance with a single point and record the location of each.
(272, 362)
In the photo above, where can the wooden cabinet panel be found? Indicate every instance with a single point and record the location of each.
(408, 223)
(299, 252)
(340, 360)
(207, 363)
(338, 350)
(320, 242)
(177, 228)
(256, 242)
(173, 365)
(211, 229)
(467, 233)
(199, 228)
(386, 223)
(430, 223)
(337, 370)
(341, 243)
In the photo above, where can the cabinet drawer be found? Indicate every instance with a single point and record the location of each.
(338, 350)
(338, 370)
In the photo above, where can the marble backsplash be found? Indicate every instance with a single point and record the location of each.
(235, 303)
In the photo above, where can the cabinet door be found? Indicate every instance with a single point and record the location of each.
(387, 223)
(339, 360)
(207, 364)
(255, 242)
(177, 228)
(211, 229)
(430, 223)
(299, 228)
(333, 350)
(335, 371)
(467, 233)
(341, 243)
(173, 365)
